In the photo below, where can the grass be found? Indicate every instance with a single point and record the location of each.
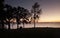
(31, 29)
(32, 32)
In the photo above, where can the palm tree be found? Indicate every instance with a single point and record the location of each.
(38, 14)
(35, 11)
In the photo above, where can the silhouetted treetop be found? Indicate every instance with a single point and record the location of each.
(36, 5)
(36, 11)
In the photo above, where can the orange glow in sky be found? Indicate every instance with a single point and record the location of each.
(50, 8)
(49, 18)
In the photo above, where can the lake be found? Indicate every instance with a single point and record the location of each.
(41, 24)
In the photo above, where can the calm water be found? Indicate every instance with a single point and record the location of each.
(50, 24)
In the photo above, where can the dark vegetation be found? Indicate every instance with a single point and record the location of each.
(32, 33)
(7, 12)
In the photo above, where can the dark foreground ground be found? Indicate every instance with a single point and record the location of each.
(31, 33)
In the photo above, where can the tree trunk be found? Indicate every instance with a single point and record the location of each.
(34, 23)
(37, 20)
(17, 23)
(23, 24)
(2, 22)
(34, 20)
(9, 24)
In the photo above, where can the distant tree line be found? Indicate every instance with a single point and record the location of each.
(7, 12)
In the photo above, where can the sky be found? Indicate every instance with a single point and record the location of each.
(50, 8)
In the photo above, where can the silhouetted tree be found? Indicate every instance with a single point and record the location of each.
(15, 14)
(26, 15)
(8, 13)
(38, 14)
(2, 12)
(23, 14)
(35, 11)
(18, 15)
